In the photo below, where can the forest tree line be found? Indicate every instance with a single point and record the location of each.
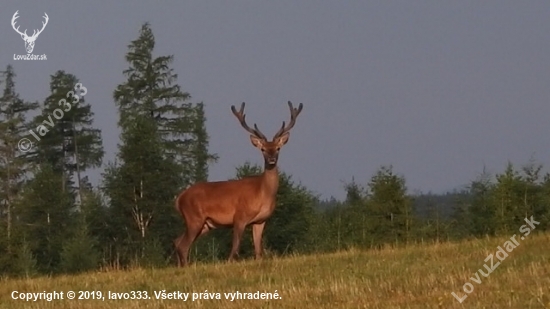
(52, 220)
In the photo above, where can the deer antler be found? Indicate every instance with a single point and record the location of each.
(241, 116)
(13, 24)
(294, 112)
(43, 26)
(34, 34)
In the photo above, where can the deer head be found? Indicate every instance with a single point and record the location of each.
(270, 149)
(29, 40)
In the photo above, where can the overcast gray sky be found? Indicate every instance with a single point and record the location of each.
(437, 89)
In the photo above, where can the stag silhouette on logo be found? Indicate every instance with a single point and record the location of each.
(29, 40)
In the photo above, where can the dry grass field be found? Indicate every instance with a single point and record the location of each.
(419, 276)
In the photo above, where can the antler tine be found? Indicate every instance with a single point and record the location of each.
(241, 116)
(294, 112)
(43, 25)
(15, 16)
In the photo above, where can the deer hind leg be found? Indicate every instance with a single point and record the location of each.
(184, 242)
(183, 249)
(177, 244)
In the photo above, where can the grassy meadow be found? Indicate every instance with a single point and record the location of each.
(418, 276)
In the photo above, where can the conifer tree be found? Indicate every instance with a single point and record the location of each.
(163, 149)
(68, 141)
(391, 205)
(14, 142)
(47, 215)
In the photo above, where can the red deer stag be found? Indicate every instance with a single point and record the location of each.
(235, 203)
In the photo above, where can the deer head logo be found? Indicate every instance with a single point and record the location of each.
(29, 40)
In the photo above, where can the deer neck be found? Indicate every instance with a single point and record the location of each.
(271, 178)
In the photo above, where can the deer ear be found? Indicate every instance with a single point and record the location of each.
(283, 139)
(256, 141)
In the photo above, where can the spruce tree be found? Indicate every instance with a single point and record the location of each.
(163, 149)
(14, 142)
(507, 200)
(151, 91)
(391, 206)
(80, 252)
(68, 141)
(47, 215)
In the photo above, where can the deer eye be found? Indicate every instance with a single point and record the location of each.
(263, 149)
(278, 148)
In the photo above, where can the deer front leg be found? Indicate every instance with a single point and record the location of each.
(238, 230)
(257, 231)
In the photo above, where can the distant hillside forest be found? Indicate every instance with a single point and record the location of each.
(54, 221)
